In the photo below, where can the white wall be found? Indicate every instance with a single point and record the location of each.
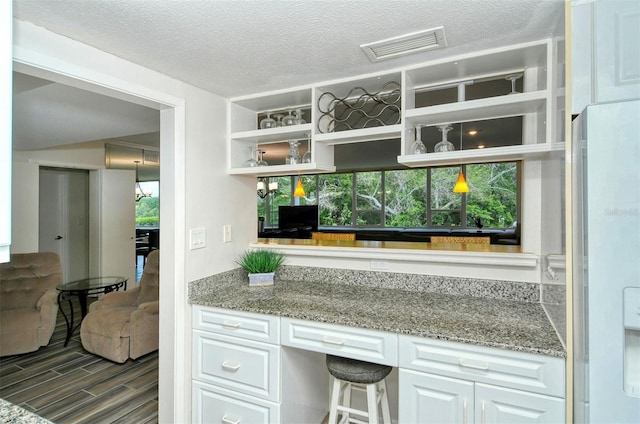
(24, 207)
(5, 130)
(193, 125)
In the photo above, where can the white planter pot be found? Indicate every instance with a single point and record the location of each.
(263, 279)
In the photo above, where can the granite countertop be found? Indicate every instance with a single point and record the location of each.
(498, 323)
(10, 413)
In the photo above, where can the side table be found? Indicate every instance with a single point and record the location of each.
(82, 289)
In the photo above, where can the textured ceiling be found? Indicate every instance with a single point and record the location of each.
(241, 47)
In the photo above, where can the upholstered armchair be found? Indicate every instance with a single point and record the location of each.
(122, 325)
(28, 301)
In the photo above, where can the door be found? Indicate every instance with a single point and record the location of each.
(427, 398)
(113, 241)
(64, 219)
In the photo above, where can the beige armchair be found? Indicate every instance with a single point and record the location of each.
(28, 301)
(122, 325)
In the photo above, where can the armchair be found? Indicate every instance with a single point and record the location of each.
(28, 301)
(123, 325)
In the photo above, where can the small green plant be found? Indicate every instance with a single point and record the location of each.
(260, 261)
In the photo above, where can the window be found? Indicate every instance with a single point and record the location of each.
(148, 208)
(421, 197)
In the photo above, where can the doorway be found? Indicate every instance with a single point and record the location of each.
(64, 219)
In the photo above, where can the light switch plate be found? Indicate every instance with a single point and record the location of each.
(197, 238)
(226, 233)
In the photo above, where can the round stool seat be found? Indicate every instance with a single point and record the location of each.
(355, 371)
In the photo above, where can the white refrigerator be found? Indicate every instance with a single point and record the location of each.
(606, 263)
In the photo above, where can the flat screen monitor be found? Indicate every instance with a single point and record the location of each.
(298, 216)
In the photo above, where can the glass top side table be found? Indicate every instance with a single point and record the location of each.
(83, 289)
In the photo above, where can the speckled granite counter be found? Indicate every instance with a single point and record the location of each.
(10, 413)
(500, 323)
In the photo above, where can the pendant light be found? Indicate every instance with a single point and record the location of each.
(139, 192)
(299, 192)
(461, 184)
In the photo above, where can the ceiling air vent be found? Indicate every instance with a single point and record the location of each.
(415, 42)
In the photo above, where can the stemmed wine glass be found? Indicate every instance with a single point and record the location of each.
(251, 162)
(261, 162)
(289, 120)
(267, 122)
(444, 145)
(278, 116)
(293, 157)
(306, 158)
(513, 78)
(418, 147)
(299, 119)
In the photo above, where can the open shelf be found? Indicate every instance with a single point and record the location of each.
(278, 170)
(477, 110)
(272, 135)
(360, 135)
(494, 154)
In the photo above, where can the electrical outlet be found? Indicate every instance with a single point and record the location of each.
(226, 233)
(379, 264)
(197, 238)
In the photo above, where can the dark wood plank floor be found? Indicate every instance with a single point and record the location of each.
(71, 385)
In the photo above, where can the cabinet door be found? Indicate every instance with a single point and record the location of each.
(500, 405)
(426, 398)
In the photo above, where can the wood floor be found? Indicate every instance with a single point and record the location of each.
(71, 385)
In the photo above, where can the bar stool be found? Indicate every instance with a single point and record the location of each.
(350, 374)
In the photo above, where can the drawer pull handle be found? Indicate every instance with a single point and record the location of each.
(327, 339)
(472, 366)
(226, 420)
(230, 367)
(464, 412)
(230, 324)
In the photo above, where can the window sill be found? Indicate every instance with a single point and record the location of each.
(469, 254)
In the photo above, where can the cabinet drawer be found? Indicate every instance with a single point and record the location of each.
(500, 405)
(519, 370)
(216, 405)
(263, 328)
(242, 365)
(372, 346)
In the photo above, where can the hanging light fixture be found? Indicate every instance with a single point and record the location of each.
(262, 188)
(299, 191)
(139, 192)
(461, 184)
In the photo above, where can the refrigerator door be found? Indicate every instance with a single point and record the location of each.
(606, 248)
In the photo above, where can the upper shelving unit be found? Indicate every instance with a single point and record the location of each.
(396, 104)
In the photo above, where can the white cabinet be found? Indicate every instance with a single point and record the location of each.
(235, 377)
(445, 382)
(349, 342)
(254, 368)
(385, 106)
(604, 50)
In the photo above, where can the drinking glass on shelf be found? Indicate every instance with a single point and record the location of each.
(513, 78)
(418, 147)
(293, 157)
(289, 120)
(261, 161)
(306, 158)
(267, 122)
(444, 145)
(251, 162)
(299, 119)
(278, 116)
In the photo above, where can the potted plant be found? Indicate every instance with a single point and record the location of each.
(261, 265)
